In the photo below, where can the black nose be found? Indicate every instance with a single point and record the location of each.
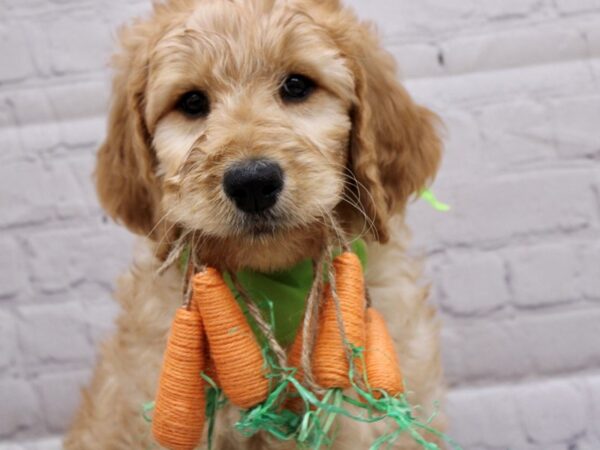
(254, 185)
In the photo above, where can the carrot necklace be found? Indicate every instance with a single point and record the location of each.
(228, 344)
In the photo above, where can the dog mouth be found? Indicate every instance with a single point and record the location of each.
(264, 224)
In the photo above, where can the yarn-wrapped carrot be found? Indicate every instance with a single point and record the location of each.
(179, 412)
(382, 367)
(295, 351)
(295, 360)
(330, 361)
(237, 355)
(295, 354)
(209, 368)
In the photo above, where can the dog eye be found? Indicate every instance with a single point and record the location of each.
(296, 88)
(194, 104)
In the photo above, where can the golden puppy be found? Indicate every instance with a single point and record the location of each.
(252, 123)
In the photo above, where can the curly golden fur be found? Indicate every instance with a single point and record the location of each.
(358, 148)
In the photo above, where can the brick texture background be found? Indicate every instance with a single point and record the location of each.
(515, 265)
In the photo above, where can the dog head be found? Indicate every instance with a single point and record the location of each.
(253, 122)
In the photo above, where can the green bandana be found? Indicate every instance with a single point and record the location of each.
(282, 295)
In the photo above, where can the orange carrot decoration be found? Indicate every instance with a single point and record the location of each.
(295, 354)
(210, 369)
(330, 362)
(179, 412)
(381, 361)
(238, 358)
(295, 360)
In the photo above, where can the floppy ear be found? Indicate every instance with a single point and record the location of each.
(125, 178)
(395, 149)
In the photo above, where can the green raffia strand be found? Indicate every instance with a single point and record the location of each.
(430, 197)
(396, 408)
(184, 259)
(146, 408)
(312, 429)
(214, 401)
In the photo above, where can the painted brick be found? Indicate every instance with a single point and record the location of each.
(560, 342)
(499, 210)
(543, 412)
(56, 262)
(518, 133)
(59, 394)
(42, 444)
(82, 168)
(594, 391)
(82, 122)
(9, 142)
(595, 65)
(484, 290)
(12, 276)
(8, 337)
(87, 51)
(452, 356)
(591, 31)
(506, 49)
(545, 275)
(18, 406)
(485, 418)
(38, 128)
(402, 17)
(67, 326)
(65, 189)
(113, 246)
(585, 443)
(484, 88)
(463, 148)
(490, 351)
(510, 8)
(590, 278)
(572, 6)
(576, 121)
(24, 200)
(417, 60)
(24, 5)
(16, 61)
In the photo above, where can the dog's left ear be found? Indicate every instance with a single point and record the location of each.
(395, 148)
(125, 179)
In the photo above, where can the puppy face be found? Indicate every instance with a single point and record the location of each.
(252, 122)
(248, 110)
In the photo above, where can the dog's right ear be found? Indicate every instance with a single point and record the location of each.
(125, 175)
(395, 146)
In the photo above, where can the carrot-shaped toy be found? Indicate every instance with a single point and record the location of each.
(352, 349)
(330, 356)
(382, 367)
(295, 360)
(179, 411)
(238, 358)
(295, 354)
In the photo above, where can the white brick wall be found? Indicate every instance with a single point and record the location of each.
(515, 266)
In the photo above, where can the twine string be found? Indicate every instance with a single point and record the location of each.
(177, 249)
(311, 322)
(260, 321)
(338, 313)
